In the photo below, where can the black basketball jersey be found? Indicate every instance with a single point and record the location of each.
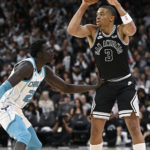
(111, 55)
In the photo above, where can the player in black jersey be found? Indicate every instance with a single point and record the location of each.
(109, 44)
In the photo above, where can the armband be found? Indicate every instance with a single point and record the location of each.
(5, 87)
(126, 18)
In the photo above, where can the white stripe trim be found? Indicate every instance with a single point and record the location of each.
(120, 79)
(108, 35)
(131, 103)
(101, 113)
(125, 111)
(135, 104)
(100, 117)
(127, 115)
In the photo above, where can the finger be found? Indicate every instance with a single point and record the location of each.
(91, 1)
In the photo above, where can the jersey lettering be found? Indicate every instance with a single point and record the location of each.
(108, 43)
(34, 84)
(111, 55)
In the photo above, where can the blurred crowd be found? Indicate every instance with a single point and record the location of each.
(61, 119)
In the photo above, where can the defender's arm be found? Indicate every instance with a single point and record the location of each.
(60, 84)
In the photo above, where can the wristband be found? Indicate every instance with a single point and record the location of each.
(126, 18)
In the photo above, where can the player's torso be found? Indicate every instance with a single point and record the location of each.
(111, 54)
(20, 95)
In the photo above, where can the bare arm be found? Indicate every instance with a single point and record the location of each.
(56, 126)
(68, 129)
(74, 27)
(22, 71)
(127, 29)
(54, 80)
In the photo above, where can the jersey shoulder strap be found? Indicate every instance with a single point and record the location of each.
(95, 37)
(31, 60)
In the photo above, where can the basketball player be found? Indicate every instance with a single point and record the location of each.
(109, 44)
(16, 92)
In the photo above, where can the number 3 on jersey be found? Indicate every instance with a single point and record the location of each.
(27, 98)
(109, 55)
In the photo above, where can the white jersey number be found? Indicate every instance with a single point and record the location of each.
(109, 54)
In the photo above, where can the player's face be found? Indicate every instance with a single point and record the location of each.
(103, 17)
(47, 53)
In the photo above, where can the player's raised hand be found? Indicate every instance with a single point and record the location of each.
(113, 2)
(89, 2)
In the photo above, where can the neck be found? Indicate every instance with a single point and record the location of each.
(39, 63)
(107, 29)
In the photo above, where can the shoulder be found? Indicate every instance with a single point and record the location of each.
(92, 28)
(22, 71)
(24, 65)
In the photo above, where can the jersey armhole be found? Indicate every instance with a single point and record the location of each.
(32, 72)
(95, 38)
(44, 67)
(123, 42)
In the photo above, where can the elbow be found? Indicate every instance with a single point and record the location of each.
(66, 89)
(130, 29)
(69, 89)
(134, 29)
(70, 131)
(70, 31)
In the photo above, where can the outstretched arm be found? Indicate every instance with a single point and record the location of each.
(74, 27)
(55, 81)
(128, 27)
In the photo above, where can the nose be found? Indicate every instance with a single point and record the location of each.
(98, 18)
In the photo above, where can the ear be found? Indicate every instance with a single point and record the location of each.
(112, 18)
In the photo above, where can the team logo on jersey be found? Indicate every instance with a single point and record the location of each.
(114, 36)
(130, 82)
(99, 37)
(108, 44)
(34, 84)
(5, 108)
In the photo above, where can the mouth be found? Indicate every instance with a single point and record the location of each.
(98, 22)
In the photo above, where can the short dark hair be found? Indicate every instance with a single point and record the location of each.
(111, 9)
(36, 47)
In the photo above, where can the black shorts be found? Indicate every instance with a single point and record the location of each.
(123, 92)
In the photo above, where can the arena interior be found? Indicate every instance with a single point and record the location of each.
(24, 21)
